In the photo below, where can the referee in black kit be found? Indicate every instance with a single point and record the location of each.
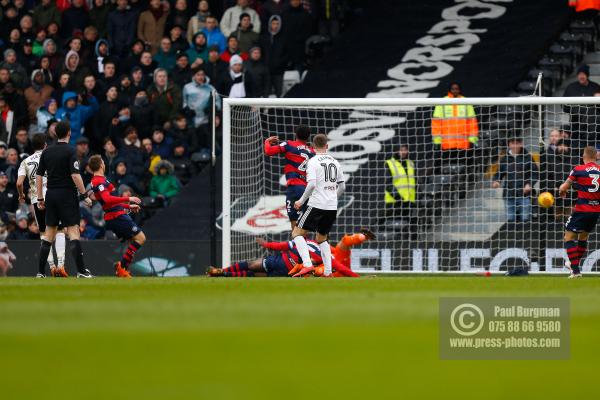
(61, 204)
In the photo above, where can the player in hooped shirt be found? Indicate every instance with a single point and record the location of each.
(116, 215)
(297, 153)
(586, 180)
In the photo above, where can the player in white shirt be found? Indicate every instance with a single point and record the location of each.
(325, 183)
(27, 170)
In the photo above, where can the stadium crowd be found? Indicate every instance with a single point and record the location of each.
(135, 79)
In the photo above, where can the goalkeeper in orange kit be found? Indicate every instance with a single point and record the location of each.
(342, 251)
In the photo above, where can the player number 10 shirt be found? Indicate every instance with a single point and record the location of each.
(327, 174)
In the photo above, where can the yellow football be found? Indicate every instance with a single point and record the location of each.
(545, 200)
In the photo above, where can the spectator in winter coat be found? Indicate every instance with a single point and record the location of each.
(76, 114)
(519, 173)
(18, 74)
(45, 13)
(166, 57)
(182, 133)
(164, 96)
(26, 58)
(161, 144)
(21, 231)
(101, 56)
(17, 104)
(76, 70)
(556, 161)
(198, 21)
(179, 15)
(111, 155)
(99, 16)
(259, 73)
(584, 119)
(198, 51)
(231, 17)
(74, 19)
(182, 73)
(233, 49)
(297, 25)
(236, 83)
(121, 28)
(197, 99)
(45, 114)
(121, 176)
(148, 66)
(131, 150)
(178, 41)
(21, 143)
(270, 8)
(104, 118)
(142, 114)
(213, 34)
(55, 58)
(151, 25)
(37, 94)
(215, 67)
(164, 185)
(184, 168)
(276, 53)
(244, 34)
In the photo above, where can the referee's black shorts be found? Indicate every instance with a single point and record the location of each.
(40, 217)
(314, 219)
(62, 206)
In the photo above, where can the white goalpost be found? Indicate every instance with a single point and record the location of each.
(479, 165)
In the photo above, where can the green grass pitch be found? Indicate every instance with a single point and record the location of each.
(199, 338)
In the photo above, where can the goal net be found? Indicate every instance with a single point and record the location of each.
(447, 185)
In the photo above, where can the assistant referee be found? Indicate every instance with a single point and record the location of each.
(64, 183)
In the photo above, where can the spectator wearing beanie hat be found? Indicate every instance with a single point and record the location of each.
(235, 83)
(46, 113)
(258, 72)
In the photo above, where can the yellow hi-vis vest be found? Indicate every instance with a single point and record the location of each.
(404, 181)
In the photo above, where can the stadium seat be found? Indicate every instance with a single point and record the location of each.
(565, 53)
(547, 77)
(576, 41)
(290, 78)
(587, 29)
(554, 65)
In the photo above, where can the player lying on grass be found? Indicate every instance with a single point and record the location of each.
(282, 263)
(297, 153)
(116, 216)
(584, 178)
(27, 170)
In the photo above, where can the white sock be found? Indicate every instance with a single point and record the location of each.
(50, 256)
(326, 256)
(59, 245)
(302, 247)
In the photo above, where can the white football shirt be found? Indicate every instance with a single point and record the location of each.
(327, 173)
(28, 168)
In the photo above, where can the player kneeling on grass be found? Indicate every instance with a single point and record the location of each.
(115, 214)
(585, 179)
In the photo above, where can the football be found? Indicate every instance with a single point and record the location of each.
(545, 200)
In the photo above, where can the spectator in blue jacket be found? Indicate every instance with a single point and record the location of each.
(161, 144)
(197, 99)
(76, 114)
(213, 34)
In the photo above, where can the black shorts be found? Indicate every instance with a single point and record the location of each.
(316, 220)
(62, 206)
(123, 227)
(582, 221)
(40, 217)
